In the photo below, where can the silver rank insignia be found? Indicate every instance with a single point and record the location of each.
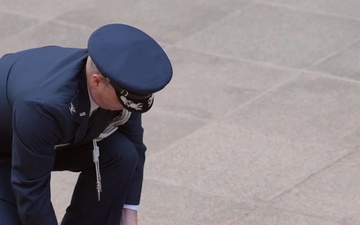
(72, 109)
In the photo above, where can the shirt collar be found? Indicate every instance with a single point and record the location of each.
(93, 105)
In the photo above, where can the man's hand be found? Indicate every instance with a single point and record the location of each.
(129, 217)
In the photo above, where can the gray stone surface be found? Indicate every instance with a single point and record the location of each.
(338, 8)
(166, 21)
(180, 205)
(282, 138)
(215, 86)
(260, 124)
(332, 193)
(277, 35)
(8, 20)
(343, 64)
(274, 216)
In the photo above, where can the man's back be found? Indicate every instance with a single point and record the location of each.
(48, 73)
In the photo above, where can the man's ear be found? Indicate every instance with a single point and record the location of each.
(96, 80)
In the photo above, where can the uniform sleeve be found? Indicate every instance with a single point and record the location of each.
(35, 132)
(134, 131)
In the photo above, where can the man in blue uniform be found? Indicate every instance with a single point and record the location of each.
(78, 110)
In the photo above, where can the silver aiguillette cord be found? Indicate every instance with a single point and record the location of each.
(121, 119)
(96, 154)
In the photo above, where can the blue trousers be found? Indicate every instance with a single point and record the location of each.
(118, 159)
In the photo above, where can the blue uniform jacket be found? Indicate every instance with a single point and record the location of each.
(45, 102)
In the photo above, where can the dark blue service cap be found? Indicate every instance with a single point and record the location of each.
(130, 58)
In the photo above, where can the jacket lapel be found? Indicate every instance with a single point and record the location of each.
(98, 122)
(81, 117)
